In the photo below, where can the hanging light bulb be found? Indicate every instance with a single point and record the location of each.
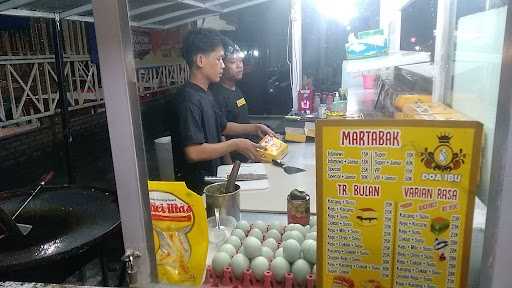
(341, 11)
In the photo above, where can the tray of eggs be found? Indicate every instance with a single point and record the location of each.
(268, 256)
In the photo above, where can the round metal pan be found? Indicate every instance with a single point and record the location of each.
(66, 221)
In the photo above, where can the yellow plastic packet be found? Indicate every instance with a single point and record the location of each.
(180, 233)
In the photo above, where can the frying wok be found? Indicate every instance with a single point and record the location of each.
(67, 221)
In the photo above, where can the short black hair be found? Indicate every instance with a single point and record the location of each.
(200, 41)
(230, 48)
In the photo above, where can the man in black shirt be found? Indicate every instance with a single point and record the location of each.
(199, 124)
(227, 95)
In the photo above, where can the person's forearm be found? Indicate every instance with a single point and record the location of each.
(227, 158)
(234, 129)
(206, 151)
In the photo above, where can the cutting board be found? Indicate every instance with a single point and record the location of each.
(247, 168)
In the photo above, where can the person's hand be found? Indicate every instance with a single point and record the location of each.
(262, 131)
(249, 149)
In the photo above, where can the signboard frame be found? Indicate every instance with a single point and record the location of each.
(390, 124)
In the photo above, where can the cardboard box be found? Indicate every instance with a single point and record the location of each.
(428, 108)
(404, 100)
(275, 149)
(294, 134)
(309, 129)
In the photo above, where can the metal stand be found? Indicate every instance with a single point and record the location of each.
(126, 138)
(59, 70)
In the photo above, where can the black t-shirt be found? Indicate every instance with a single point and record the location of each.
(197, 120)
(231, 102)
(234, 107)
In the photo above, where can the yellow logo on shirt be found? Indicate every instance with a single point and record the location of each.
(240, 102)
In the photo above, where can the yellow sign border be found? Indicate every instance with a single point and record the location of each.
(389, 123)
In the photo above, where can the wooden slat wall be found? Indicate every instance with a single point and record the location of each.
(37, 40)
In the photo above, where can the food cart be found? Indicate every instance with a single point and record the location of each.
(269, 204)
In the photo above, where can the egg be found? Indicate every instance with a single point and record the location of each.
(300, 270)
(239, 233)
(220, 261)
(277, 226)
(297, 227)
(244, 226)
(260, 225)
(295, 235)
(256, 233)
(239, 264)
(312, 221)
(252, 247)
(259, 265)
(279, 253)
(241, 250)
(306, 242)
(291, 227)
(291, 250)
(312, 229)
(228, 249)
(314, 270)
(234, 241)
(311, 236)
(270, 243)
(274, 234)
(267, 253)
(279, 268)
(309, 251)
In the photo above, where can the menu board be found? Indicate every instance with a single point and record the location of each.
(395, 202)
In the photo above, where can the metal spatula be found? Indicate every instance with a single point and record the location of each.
(287, 169)
(230, 184)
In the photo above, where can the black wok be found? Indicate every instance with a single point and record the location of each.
(67, 221)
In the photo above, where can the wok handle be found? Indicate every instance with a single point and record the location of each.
(47, 178)
(44, 180)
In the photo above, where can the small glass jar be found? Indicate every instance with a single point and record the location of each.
(299, 210)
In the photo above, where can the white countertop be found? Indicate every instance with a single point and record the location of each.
(300, 155)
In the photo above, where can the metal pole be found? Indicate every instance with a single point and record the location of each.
(59, 70)
(497, 256)
(296, 35)
(126, 138)
(444, 51)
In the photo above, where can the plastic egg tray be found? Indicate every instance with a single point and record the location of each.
(249, 280)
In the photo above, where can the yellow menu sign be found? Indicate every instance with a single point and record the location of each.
(395, 202)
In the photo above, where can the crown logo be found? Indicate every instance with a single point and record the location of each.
(444, 138)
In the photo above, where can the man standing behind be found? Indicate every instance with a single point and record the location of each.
(199, 124)
(227, 95)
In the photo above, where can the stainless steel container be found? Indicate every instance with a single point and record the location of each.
(227, 203)
(163, 148)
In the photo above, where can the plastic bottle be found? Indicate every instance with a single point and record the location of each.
(316, 106)
(336, 104)
(343, 100)
(329, 102)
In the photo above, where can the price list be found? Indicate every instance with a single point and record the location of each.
(393, 202)
(344, 241)
(409, 166)
(451, 280)
(415, 259)
(387, 239)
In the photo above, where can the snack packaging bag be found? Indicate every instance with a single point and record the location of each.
(180, 233)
